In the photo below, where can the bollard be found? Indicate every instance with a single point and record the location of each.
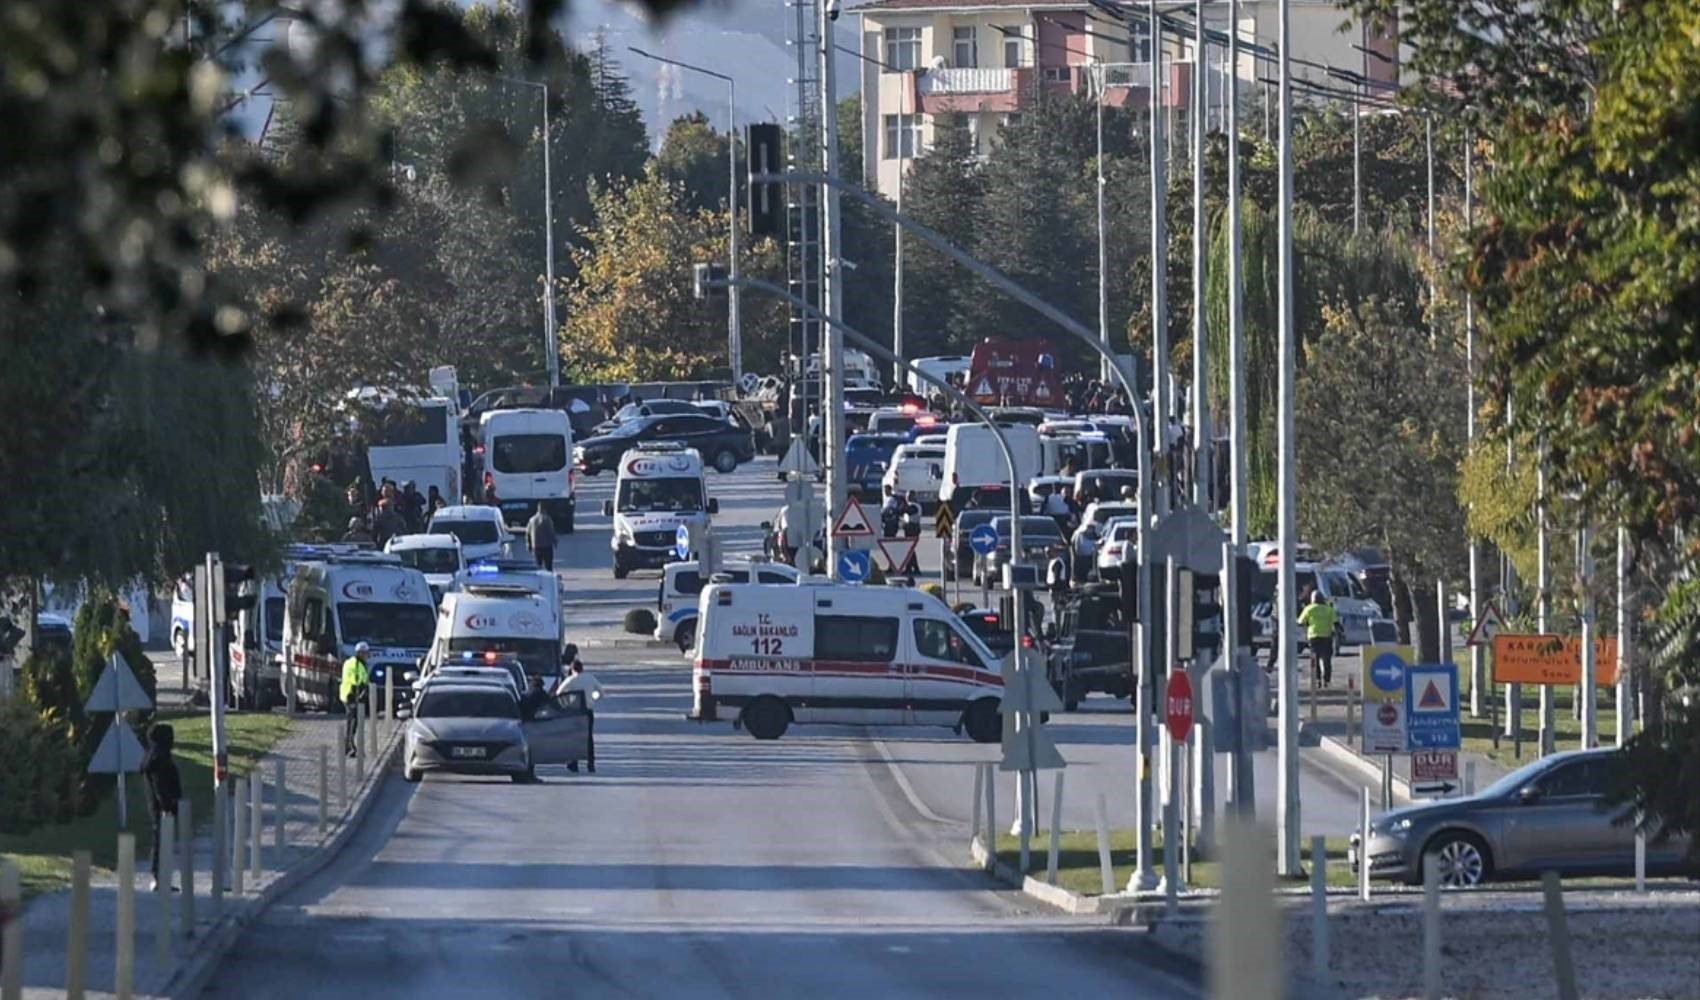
(162, 891)
(341, 781)
(324, 787)
(1319, 957)
(389, 698)
(239, 835)
(359, 755)
(1564, 967)
(1056, 828)
(1106, 871)
(1244, 928)
(220, 839)
(280, 797)
(1640, 857)
(1313, 697)
(370, 730)
(1431, 926)
(12, 936)
(124, 947)
(289, 691)
(256, 824)
(1363, 848)
(1469, 777)
(77, 940)
(979, 794)
(1351, 709)
(991, 815)
(186, 864)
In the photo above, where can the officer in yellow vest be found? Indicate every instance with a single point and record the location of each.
(354, 679)
(1319, 619)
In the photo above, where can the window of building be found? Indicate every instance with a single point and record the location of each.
(1012, 48)
(903, 48)
(965, 47)
(1057, 74)
(902, 136)
(858, 640)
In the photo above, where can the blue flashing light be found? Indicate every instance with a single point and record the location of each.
(483, 569)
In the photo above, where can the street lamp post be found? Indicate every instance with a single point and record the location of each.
(1286, 517)
(551, 332)
(734, 318)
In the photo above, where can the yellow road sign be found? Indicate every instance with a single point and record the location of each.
(944, 520)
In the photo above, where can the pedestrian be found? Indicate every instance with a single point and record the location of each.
(591, 691)
(1056, 508)
(1319, 619)
(490, 498)
(434, 500)
(165, 787)
(357, 533)
(354, 679)
(540, 536)
(412, 507)
(386, 523)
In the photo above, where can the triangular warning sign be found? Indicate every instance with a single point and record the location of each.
(897, 551)
(853, 522)
(117, 690)
(119, 750)
(1490, 625)
(1432, 698)
(1041, 391)
(984, 388)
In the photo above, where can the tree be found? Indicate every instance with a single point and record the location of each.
(693, 156)
(944, 191)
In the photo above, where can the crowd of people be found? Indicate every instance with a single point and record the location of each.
(399, 510)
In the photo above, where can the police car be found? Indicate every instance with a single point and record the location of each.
(682, 583)
(660, 487)
(768, 657)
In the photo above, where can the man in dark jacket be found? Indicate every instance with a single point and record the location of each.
(165, 788)
(540, 536)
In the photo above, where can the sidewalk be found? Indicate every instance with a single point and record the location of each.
(47, 920)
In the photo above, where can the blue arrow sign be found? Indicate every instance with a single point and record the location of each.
(853, 565)
(1431, 706)
(682, 542)
(983, 539)
(1387, 672)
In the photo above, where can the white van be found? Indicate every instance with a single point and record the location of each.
(498, 618)
(482, 532)
(345, 599)
(682, 583)
(522, 573)
(437, 556)
(1059, 451)
(973, 459)
(912, 467)
(660, 487)
(528, 455)
(256, 644)
(819, 652)
(940, 366)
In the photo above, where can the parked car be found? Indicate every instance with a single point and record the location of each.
(721, 443)
(1550, 815)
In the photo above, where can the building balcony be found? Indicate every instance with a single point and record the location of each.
(948, 89)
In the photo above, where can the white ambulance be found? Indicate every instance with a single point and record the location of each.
(498, 618)
(344, 599)
(660, 487)
(256, 643)
(830, 653)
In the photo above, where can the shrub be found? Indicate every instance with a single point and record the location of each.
(42, 780)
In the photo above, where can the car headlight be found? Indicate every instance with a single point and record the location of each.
(622, 532)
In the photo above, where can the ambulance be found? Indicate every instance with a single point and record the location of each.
(498, 618)
(768, 657)
(341, 599)
(660, 487)
(256, 644)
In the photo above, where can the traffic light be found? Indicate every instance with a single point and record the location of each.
(238, 598)
(764, 152)
(1207, 621)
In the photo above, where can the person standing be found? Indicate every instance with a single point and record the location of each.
(165, 786)
(587, 686)
(1319, 619)
(354, 680)
(540, 537)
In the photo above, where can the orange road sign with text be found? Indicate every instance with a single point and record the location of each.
(1550, 659)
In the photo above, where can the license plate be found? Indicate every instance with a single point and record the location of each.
(466, 751)
(515, 505)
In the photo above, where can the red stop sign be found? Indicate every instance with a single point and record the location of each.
(1178, 706)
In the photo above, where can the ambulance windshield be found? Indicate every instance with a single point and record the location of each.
(406, 625)
(683, 493)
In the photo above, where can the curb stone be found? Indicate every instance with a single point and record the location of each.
(1366, 769)
(213, 944)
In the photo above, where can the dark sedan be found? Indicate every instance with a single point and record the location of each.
(1041, 541)
(720, 443)
(1548, 816)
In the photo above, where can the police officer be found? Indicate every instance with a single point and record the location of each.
(354, 680)
(1319, 619)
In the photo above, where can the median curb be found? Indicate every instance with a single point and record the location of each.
(197, 968)
(1366, 769)
(623, 642)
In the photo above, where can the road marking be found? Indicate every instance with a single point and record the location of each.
(903, 785)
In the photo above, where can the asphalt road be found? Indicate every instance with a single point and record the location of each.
(700, 862)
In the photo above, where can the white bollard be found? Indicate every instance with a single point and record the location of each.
(1558, 932)
(239, 833)
(979, 795)
(289, 691)
(186, 864)
(1319, 945)
(1243, 954)
(1431, 926)
(359, 754)
(280, 800)
(389, 698)
(77, 937)
(12, 938)
(256, 824)
(324, 787)
(370, 729)
(162, 927)
(1056, 827)
(1363, 848)
(1469, 777)
(124, 947)
(1106, 870)
(220, 838)
(341, 781)
(991, 814)
(1640, 858)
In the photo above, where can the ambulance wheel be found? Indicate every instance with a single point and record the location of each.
(410, 775)
(725, 461)
(685, 635)
(982, 721)
(767, 718)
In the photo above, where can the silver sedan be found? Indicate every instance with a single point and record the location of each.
(476, 728)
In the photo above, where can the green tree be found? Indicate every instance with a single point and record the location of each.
(693, 155)
(945, 191)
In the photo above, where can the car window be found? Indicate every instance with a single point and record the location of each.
(467, 704)
(689, 581)
(855, 639)
(768, 576)
(1574, 779)
(937, 640)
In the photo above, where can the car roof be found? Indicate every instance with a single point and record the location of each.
(467, 684)
(426, 540)
(466, 512)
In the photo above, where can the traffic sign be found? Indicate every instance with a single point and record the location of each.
(853, 521)
(1431, 707)
(984, 539)
(898, 550)
(1384, 698)
(944, 520)
(1434, 769)
(1490, 625)
(1550, 659)
(1027, 695)
(682, 542)
(119, 751)
(854, 565)
(1178, 705)
(117, 690)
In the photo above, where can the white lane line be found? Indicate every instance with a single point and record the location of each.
(904, 785)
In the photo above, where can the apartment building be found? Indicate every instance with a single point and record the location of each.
(990, 59)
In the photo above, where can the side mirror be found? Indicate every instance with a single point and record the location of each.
(607, 508)
(714, 505)
(1529, 794)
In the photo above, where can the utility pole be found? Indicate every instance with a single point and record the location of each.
(1478, 655)
(552, 331)
(1241, 775)
(1286, 600)
(1590, 663)
(1098, 69)
(832, 291)
(1543, 586)
(1200, 243)
(897, 372)
(1159, 256)
(734, 314)
(1625, 704)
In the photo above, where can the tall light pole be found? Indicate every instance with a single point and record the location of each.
(1286, 515)
(1103, 253)
(551, 332)
(1159, 256)
(734, 318)
(1243, 794)
(832, 290)
(1200, 241)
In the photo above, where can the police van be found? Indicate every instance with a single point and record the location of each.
(498, 618)
(768, 657)
(660, 486)
(682, 583)
(340, 600)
